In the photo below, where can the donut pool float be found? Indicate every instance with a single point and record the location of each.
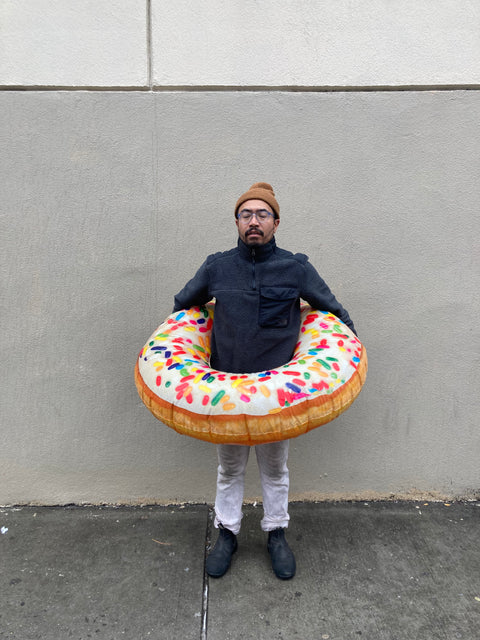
(175, 382)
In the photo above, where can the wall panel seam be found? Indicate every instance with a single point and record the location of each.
(149, 44)
(244, 89)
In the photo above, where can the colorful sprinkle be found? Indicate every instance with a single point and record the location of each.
(324, 364)
(299, 382)
(217, 397)
(241, 381)
(204, 388)
(293, 387)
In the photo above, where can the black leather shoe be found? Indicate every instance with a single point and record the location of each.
(283, 560)
(220, 556)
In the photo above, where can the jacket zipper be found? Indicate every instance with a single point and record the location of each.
(253, 270)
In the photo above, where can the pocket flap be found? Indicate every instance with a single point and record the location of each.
(279, 293)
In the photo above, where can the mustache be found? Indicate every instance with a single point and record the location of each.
(257, 231)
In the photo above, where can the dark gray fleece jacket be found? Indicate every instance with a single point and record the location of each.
(257, 293)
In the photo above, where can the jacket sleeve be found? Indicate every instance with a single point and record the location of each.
(195, 292)
(316, 292)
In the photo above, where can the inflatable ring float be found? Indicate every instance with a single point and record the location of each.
(175, 382)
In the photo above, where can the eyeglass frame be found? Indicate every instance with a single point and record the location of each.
(255, 213)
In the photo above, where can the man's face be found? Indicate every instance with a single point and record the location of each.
(255, 232)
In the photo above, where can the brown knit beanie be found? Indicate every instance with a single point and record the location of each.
(260, 191)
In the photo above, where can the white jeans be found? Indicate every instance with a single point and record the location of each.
(272, 463)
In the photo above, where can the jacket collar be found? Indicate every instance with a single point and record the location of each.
(260, 252)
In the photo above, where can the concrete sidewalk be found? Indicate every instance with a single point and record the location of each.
(388, 570)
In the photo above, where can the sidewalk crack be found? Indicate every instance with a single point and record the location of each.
(208, 540)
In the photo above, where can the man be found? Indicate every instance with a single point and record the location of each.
(257, 289)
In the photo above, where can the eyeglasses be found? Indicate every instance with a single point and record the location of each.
(245, 215)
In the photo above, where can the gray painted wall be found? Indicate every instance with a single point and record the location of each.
(110, 200)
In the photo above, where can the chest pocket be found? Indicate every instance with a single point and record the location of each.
(276, 306)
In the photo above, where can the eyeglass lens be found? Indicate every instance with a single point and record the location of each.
(246, 214)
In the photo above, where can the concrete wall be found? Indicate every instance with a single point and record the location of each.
(111, 198)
